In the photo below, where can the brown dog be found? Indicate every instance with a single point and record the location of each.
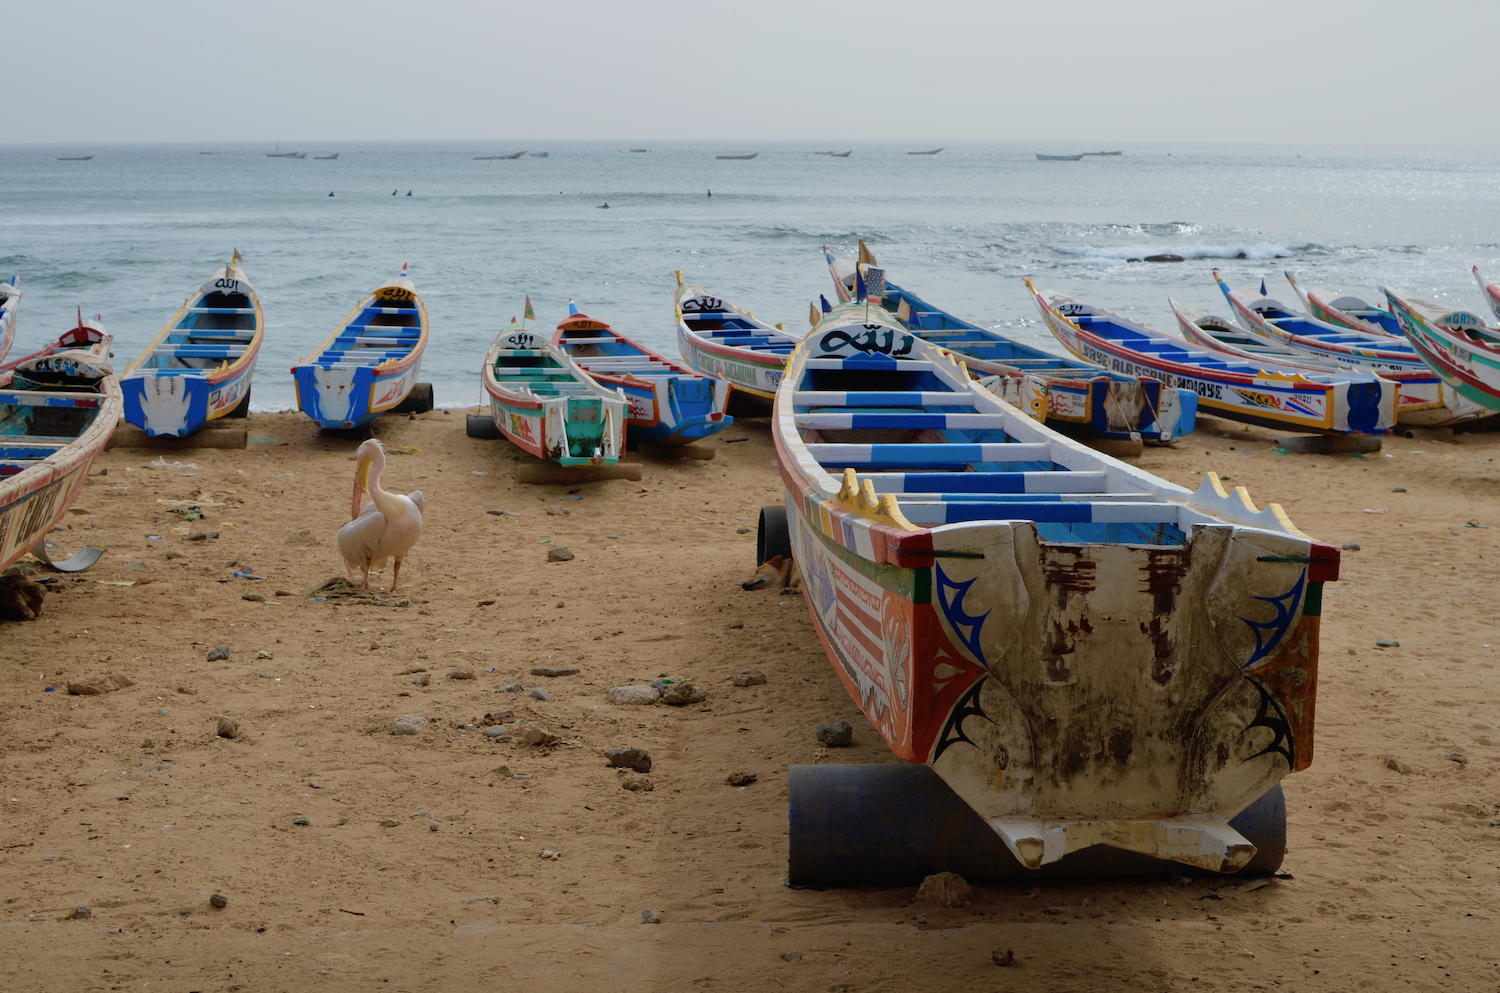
(20, 599)
(778, 573)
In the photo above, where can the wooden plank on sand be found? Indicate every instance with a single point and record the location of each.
(130, 436)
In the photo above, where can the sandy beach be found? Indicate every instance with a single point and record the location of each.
(419, 861)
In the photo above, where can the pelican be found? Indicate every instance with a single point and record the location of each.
(387, 527)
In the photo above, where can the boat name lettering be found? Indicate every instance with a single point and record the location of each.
(1073, 309)
(520, 339)
(1211, 391)
(393, 293)
(702, 305)
(869, 341)
(228, 285)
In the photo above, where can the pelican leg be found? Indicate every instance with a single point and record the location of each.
(395, 575)
(366, 585)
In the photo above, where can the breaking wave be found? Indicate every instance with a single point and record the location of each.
(1262, 250)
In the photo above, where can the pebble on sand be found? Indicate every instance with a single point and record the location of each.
(791, 957)
(219, 900)
(100, 684)
(1000, 955)
(511, 688)
(637, 759)
(409, 724)
(219, 654)
(624, 696)
(1387, 643)
(390, 822)
(1351, 546)
(748, 677)
(302, 821)
(228, 727)
(80, 914)
(498, 731)
(254, 597)
(462, 672)
(682, 694)
(836, 735)
(649, 917)
(946, 889)
(559, 555)
(538, 737)
(537, 693)
(636, 783)
(740, 778)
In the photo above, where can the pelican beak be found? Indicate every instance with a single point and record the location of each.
(361, 482)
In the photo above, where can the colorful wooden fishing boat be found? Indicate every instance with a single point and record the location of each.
(1458, 346)
(10, 302)
(1260, 314)
(718, 339)
(1491, 292)
(370, 363)
(543, 402)
(58, 407)
(1346, 310)
(1078, 398)
(1422, 399)
(200, 367)
(1344, 402)
(670, 404)
(1086, 653)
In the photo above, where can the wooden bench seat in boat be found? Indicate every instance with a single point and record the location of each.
(184, 351)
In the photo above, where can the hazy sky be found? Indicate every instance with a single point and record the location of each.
(940, 70)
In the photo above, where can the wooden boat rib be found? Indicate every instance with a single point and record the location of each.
(371, 361)
(1491, 292)
(670, 404)
(720, 340)
(1346, 311)
(58, 407)
(543, 402)
(1087, 654)
(1304, 333)
(1076, 397)
(10, 303)
(1458, 346)
(200, 367)
(1345, 402)
(1422, 399)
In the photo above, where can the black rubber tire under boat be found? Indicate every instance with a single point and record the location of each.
(481, 426)
(772, 536)
(242, 409)
(418, 401)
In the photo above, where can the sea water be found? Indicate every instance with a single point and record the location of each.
(129, 234)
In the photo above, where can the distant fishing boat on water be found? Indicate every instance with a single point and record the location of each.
(325, 158)
(1103, 153)
(498, 158)
(836, 155)
(931, 151)
(279, 154)
(1059, 158)
(74, 158)
(640, 151)
(740, 158)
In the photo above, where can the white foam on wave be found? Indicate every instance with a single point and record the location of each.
(1262, 250)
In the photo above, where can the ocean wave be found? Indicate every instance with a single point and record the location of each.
(1262, 250)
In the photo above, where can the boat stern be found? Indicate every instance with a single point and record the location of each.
(172, 406)
(336, 396)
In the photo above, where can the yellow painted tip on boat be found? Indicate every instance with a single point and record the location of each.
(679, 277)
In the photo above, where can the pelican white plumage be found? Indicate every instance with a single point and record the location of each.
(385, 528)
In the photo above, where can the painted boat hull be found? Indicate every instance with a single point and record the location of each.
(1302, 333)
(338, 386)
(10, 302)
(1345, 311)
(752, 369)
(1079, 673)
(1491, 292)
(668, 404)
(35, 500)
(1422, 398)
(586, 429)
(1268, 397)
(163, 399)
(1081, 399)
(1467, 364)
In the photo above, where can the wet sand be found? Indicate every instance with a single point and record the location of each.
(130, 804)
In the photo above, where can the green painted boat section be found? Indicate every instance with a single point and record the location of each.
(911, 584)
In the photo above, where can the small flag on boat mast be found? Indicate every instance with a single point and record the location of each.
(235, 261)
(813, 317)
(572, 307)
(528, 314)
(874, 283)
(827, 307)
(866, 257)
(859, 287)
(1263, 286)
(903, 312)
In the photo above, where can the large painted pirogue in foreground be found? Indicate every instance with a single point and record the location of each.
(1087, 654)
(58, 407)
(200, 367)
(1346, 401)
(1079, 398)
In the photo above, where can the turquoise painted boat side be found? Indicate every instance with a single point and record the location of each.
(1456, 344)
